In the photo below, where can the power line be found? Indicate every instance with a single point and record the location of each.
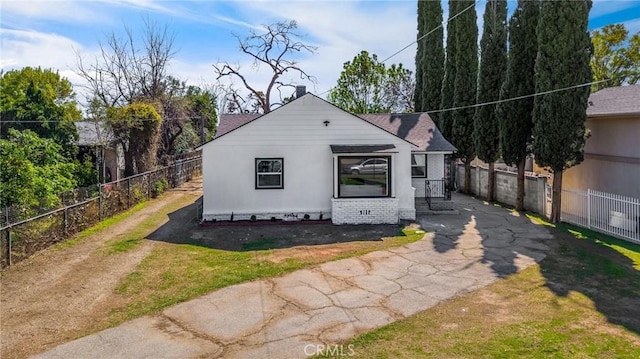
(421, 37)
(98, 122)
(431, 31)
(518, 97)
(428, 112)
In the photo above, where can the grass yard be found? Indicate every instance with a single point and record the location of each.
(582, 301)
(174, 273)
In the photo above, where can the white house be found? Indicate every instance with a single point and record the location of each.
(312, 160)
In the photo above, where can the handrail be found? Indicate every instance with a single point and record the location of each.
(436, 189)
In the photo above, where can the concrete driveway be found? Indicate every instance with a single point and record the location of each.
(297, 315)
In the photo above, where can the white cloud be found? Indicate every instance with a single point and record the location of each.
(633, 26)
(605, 7)
(21, 48)
(140, 4)
(50, 10)
(342, 29)
(32, 48)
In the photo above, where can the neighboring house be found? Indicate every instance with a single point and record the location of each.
(310, 159)
(612, 154)
(99, 143)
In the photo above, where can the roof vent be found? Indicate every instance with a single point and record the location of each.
(301, 90)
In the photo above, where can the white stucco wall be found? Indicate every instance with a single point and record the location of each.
(435, 171)
(297, 133)
(611, 159)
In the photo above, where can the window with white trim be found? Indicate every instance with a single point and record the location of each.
(418, 165)
(269, 173)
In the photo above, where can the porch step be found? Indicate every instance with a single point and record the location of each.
(437, 207)
(440, 211)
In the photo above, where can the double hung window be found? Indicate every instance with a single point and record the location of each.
(269, 173)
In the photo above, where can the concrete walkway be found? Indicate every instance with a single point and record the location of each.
(291, 316)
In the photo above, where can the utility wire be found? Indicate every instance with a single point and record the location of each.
(431, 31)
(101, 121)
(433, 111)
(518, 97)
(421, 37)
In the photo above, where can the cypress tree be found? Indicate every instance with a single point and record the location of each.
(493, 50)
(445, 119)
(417, 94)
(515, 116)
(433, 57)
(465, 86)
(564, 51)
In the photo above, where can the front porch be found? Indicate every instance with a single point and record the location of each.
(435, 198)
(436, 206)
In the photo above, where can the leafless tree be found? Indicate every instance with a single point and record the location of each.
(123, 74)
(130, 69)
(274, 48)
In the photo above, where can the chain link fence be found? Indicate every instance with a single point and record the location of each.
(83, 208)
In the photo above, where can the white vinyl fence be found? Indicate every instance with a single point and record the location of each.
(605, 212)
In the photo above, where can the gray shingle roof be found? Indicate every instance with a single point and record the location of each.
(230, 121)
(621, 100)
(92, 133)
(417, 128)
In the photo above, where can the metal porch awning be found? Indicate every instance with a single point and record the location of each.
(363, 148)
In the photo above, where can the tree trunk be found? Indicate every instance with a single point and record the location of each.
(520, 185)
(467, 177)
(128, 158)
(557, 197)
(491, 181)
(128, 164)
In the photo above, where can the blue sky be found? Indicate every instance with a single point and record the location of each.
(50, 33)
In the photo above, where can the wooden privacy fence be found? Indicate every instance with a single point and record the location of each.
(22, 238)
(605, 212)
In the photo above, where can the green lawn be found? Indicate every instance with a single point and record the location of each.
(582, 301)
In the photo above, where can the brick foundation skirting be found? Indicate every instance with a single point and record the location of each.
(364, 210)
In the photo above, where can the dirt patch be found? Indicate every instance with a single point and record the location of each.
(267, 236)
(60, 294)
(307, 252)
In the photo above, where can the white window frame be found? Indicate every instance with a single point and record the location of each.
(424, 155)
(280, 173)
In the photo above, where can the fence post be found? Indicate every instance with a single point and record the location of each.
(66, 230)
(99, 202)
(129, 193)
(149, 186)
(589, 208)
(9, 247)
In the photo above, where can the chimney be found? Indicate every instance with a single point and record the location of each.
(301, 90)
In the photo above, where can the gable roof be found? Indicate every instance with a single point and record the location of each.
(416, 128)
(615, 101)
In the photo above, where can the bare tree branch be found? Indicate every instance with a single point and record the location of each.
(271, 49)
